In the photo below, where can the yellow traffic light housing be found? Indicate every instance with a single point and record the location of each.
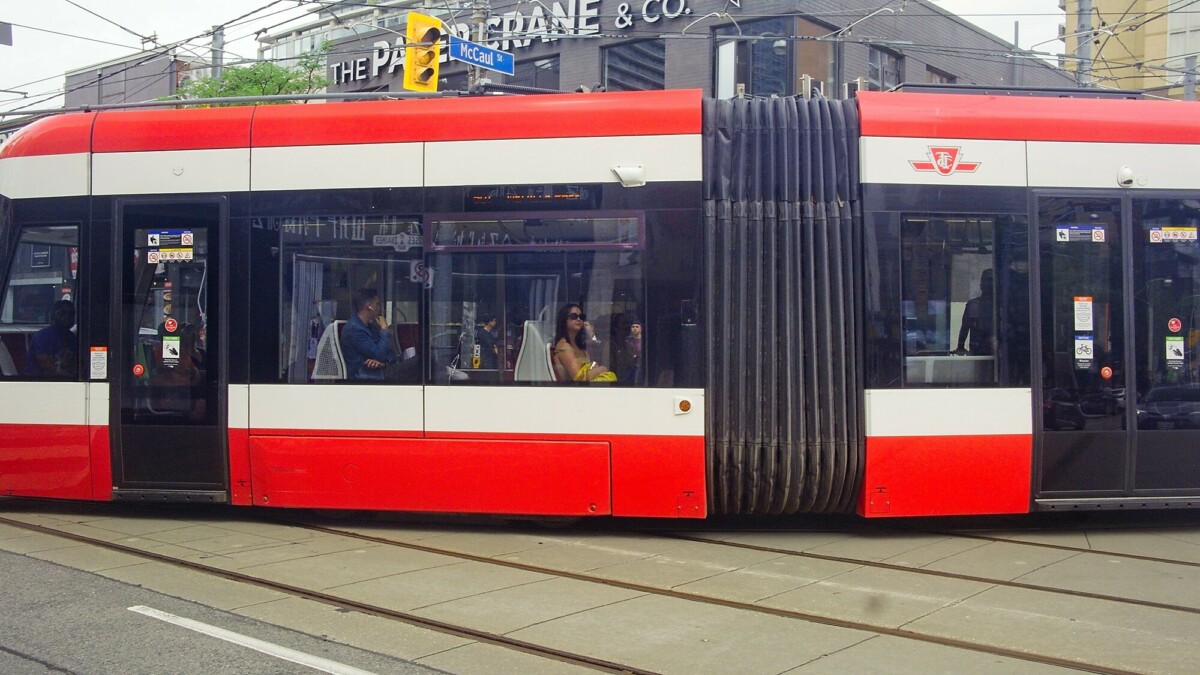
(422, 52)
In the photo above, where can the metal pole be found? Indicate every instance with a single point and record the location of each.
(218, 50)
(479, 12)
(1083, 47)
(1016, 62)
(1189, 78)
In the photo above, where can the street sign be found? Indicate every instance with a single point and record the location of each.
(479, 55)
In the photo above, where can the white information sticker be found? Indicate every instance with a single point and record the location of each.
(99, 369)
(1083, 312)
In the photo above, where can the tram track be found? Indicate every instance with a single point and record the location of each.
(600, 664)
(1108, 526)
(951, 532)
(733, 604)
(466, 632)
(941, 574)
(1075, 549)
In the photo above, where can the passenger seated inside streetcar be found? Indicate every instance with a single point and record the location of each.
(365, 341)
(54, 350)
(571, 360)
(367, 344)
(625, 339)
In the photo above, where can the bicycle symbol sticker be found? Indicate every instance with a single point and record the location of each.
(1083, 352)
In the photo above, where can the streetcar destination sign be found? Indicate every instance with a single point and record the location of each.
(480, 55)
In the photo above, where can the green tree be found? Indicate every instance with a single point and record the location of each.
(264, 78)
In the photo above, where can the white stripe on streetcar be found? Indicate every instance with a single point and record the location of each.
(308, 660)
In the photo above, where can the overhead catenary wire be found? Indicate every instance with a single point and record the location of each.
(915, 10)
(153, 39)
(162, 49)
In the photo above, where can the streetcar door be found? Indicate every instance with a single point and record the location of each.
(1120, 392)
(1165, 390)
(168, 434)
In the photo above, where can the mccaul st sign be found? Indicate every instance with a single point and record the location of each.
(479, 55)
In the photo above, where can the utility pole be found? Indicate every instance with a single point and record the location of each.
(1189, 78)
(218, 50)
(479, 12)
(1083, 44)
(1017, 60)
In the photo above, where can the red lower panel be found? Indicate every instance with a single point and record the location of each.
(652, 476)
(658, 477)
(567, 478)
(946, 475)
(42, 460)
(101, 451)
(239, 467)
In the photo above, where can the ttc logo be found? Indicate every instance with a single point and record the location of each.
(945, 162)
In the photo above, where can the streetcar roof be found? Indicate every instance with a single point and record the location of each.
(1023, 118)
(461, 119)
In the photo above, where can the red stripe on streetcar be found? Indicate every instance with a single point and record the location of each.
(46, 460)
(101, 459)
(240, 482)
(946, 475)
(464, 119)
(59, 135)
(480, 118)
(546, 474)
(567, 478)
(1027, 118)
(192, 129)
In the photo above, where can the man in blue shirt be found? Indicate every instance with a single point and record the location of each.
(366, 345)
(54, 350)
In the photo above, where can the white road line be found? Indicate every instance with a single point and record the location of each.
(314, 662)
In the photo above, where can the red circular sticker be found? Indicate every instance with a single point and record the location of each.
(138, 369)
(171, 325)
(1106, 373)
(1174, 325)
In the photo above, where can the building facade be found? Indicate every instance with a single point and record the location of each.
(724, 47)
(130, 79)
(1132, 44)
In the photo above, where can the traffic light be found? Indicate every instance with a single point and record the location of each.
(424, 35)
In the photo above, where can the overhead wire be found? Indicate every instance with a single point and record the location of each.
(997, 55)
(151, 39)
(150, 55)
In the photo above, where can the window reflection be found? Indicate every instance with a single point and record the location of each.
(963, 299)
(326, 260)
(1167, 313)
(38, 336)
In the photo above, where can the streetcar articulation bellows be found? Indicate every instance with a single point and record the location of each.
(782, 233)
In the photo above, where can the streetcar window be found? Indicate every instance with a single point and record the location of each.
(326, 259)
(42, 273)
(963, 306)
(492, 317)
(1166, 295)
(500, 280)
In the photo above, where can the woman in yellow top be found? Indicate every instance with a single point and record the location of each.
(571, 360)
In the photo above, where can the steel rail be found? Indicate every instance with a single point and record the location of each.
(731, 604)
(344, 603)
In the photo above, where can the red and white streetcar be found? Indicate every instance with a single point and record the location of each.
(901, 304)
